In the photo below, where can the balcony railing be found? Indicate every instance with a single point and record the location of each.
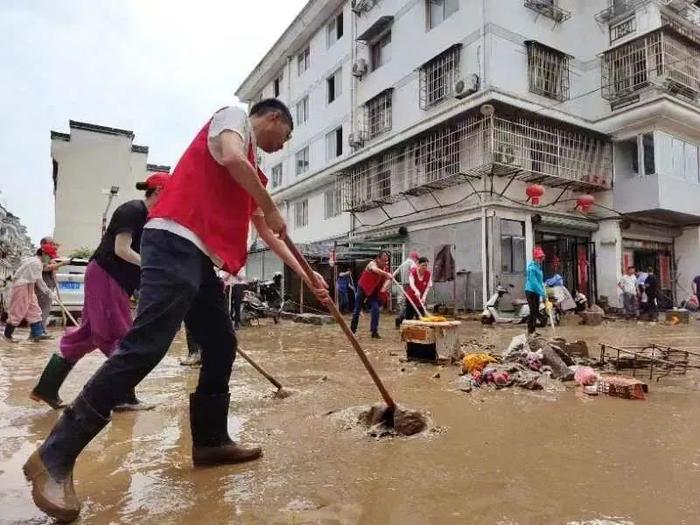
(662, 59)
(617, 8)
(526, 148)
(549, 9)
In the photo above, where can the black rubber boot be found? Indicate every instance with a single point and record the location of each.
(50, 467)
(9, 331)
(211, 444)
(55, 372)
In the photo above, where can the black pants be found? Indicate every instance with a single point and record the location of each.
(533, 301)
(237, 292)
(177, 283)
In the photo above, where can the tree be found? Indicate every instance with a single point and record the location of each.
(81, 253)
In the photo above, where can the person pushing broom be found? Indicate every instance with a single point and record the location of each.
(201, 221)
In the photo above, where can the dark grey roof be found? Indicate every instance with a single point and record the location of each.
(74, 124)
(158, 167)
(139, 149)
(57, 135)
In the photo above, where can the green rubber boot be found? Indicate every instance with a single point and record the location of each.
(52, 378)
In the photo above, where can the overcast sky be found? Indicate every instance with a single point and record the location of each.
(156, 67)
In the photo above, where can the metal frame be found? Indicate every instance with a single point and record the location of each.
(378, 114)
(438, 77)
(548, 71)
(662, 359)
(526, 148)
(548, 8)
(661, 58)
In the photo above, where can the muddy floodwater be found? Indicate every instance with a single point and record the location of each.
(496, 457)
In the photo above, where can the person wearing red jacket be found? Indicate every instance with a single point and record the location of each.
(370, 287)
(420, 282)
(200, 221)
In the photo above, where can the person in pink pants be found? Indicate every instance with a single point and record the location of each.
(111, 277)
(23, 300)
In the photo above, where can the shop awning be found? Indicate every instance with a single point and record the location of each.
(566, 223)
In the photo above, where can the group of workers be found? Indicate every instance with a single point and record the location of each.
(640, 292)
(167, 245)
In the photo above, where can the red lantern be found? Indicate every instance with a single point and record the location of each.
(584, 202)
(534, 192)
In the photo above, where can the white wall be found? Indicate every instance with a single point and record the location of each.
(608, 245)
(88, 164)
(687, 254)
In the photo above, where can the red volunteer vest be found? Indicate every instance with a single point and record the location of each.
(421, 284)
(370, 282)
(202, 196)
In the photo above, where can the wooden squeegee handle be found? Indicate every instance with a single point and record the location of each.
(333, 309)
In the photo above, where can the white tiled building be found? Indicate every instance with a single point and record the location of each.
(436, 116)
(87, 163)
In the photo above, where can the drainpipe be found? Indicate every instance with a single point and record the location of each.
(484, 258)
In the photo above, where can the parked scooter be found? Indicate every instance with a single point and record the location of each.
(262, 299)
(493, 314)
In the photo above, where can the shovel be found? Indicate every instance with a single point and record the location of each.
(421, 312)
(387, 413)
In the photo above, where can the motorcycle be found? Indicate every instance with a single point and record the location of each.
(262, 299)
(493, 314)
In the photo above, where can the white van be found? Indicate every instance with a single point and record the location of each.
(70, 283)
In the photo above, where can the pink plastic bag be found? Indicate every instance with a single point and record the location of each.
(585, 375)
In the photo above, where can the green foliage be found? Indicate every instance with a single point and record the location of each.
(81, 253)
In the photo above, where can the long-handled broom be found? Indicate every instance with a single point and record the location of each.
(387, 413)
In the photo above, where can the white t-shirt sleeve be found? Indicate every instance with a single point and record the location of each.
(227, 119)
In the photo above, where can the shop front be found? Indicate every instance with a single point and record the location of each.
(655, 255)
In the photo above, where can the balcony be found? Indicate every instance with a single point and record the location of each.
(549, 9)
(662, 59)
(617, 9)
(510, 144)
(658, 176)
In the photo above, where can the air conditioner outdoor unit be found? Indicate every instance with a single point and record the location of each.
(466, 86)
(360, 6)
(355, 140)
(359, 68)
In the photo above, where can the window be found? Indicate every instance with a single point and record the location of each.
(303, 61)
(334, 144)
(301, 213)
(303, 110)
(622, 29)
(648, 160)
(302, 160)
(548, 71)
(276, 86)
(380, 51)
(277, 176)
(378, 114)
(334, 30)
(438, 77)
(332, 202)
(334, 84)
(439, 10)
(512, 246)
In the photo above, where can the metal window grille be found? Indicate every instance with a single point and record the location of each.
(476, 146)
(277, 176)
(662, 58)
(438, 77)
(548, 8)
(617, 8)
(378, 114)
(622, 29)
(301, 213)
(548, 71)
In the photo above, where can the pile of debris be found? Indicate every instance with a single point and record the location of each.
(528, 362)
(316, 319)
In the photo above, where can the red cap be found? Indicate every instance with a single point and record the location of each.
(157, 180)
(538, 253)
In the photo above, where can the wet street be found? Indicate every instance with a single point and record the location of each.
(494, 457)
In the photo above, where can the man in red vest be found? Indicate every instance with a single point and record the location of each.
(370, 285)
(201, 220)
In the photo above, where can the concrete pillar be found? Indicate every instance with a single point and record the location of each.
(608, 246)
(687, 255)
